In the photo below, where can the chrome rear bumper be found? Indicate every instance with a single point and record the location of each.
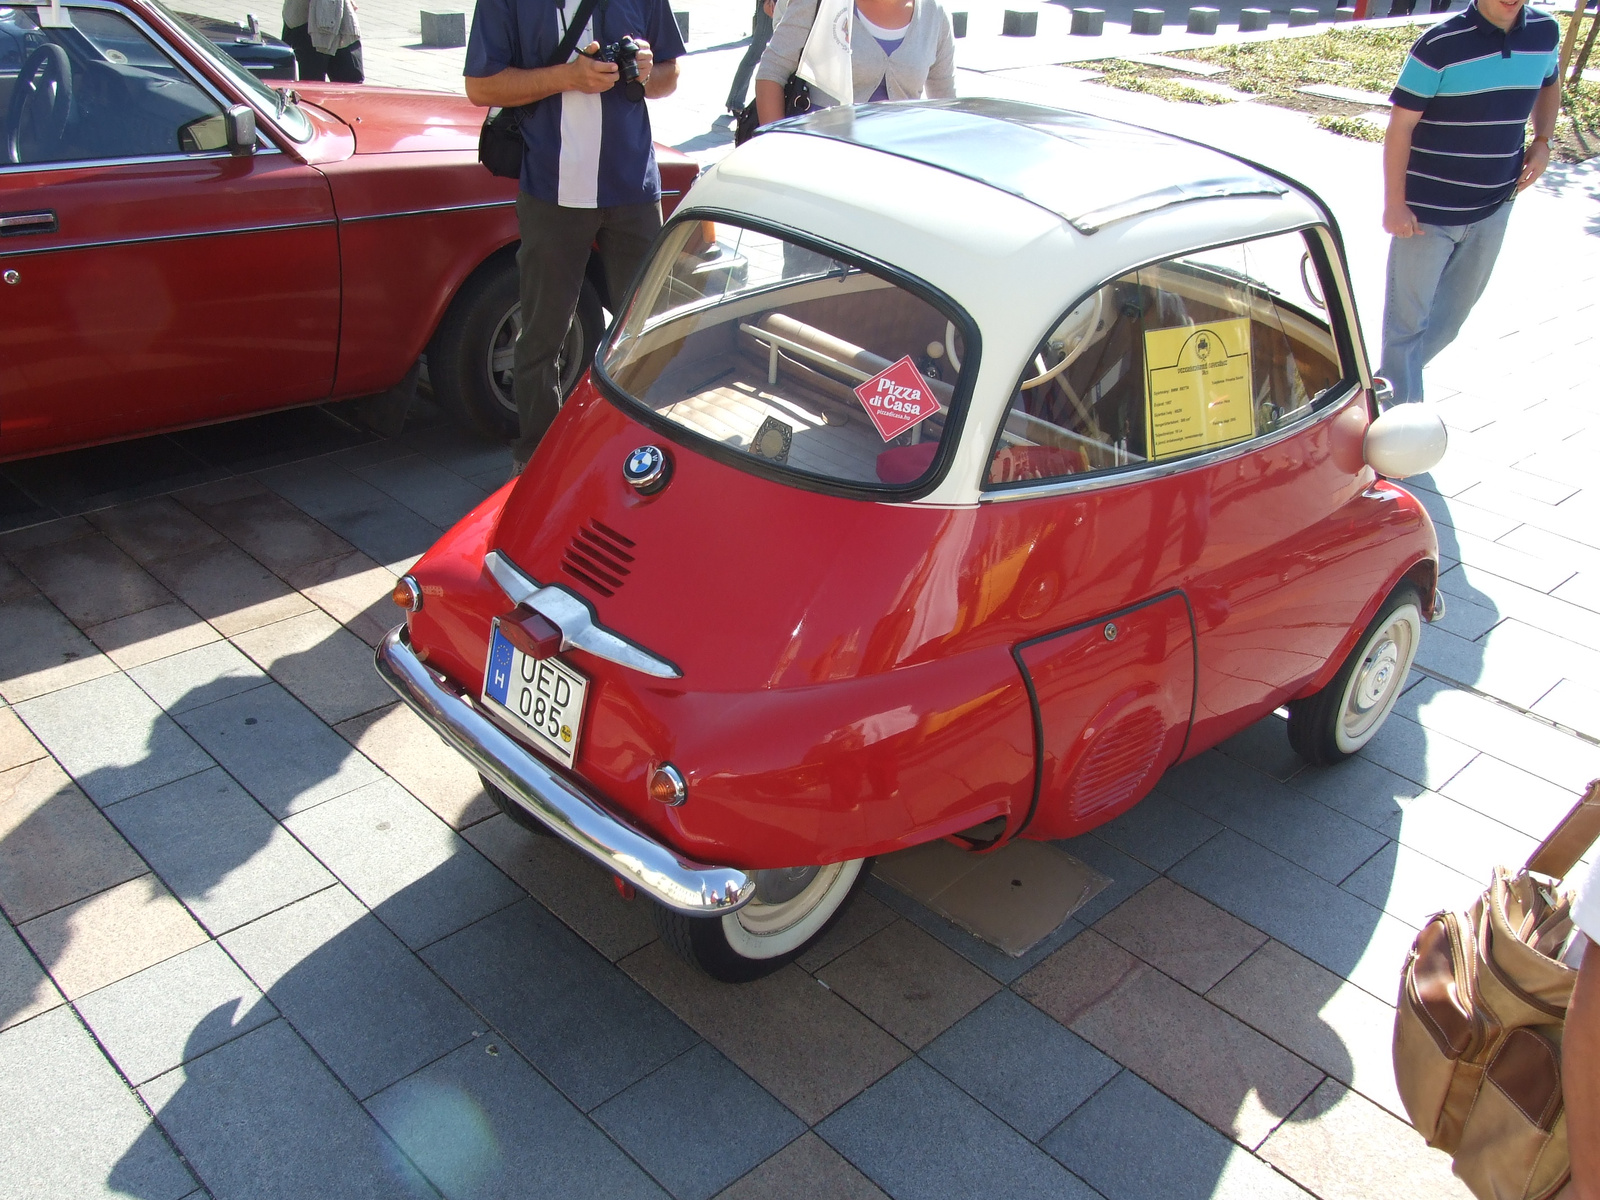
(566, 807)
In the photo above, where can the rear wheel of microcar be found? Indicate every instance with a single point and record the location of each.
(470, 358)
(1334, 723)
(791, 910)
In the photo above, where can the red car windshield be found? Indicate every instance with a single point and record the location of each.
(783, 354)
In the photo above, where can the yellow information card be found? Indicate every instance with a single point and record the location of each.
(1197, 387)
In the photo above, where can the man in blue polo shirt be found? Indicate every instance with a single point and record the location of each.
(589, 174)
(1453, 160)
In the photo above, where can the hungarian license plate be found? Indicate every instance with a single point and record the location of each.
(543, 696)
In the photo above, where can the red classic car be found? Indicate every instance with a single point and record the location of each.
(954, 469)
(181, 243)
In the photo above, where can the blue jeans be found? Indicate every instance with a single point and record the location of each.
(1435, 277)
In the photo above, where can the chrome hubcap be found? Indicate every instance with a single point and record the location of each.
(503, 357)
(1377, 672)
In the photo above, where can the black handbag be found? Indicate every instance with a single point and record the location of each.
(796, 100)
(500, 144)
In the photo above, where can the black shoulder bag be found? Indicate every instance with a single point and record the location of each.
(796, 100)
(500, 144)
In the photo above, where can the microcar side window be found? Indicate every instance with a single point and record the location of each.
(1203, 351)
(788, 358)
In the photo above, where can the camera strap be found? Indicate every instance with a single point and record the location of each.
(574, 31)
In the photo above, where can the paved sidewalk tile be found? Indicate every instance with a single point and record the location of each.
(370, 1010)
(1514, 662)
(400, 742)
(284, 756)
(150, 530)
(805, 1169)
(218, 850)
(55, 846)
(1424, 755)
(908, 983)
(862, 917)
(481, 1123)
(789, 1033)
(17, 743)
(371, 520)
(991, 960)
(198, 677)
(112, 935)
(268, 528)
(307, 1137)
(1127, 874)
(1216, 1066)
(328, 668)
(41, 651)
(1411, 886)
(90, 580)
(1132, 1143)
(568, 883)
(174, 1011)
(735, 1125)
(25, 990)
(112, 738)
(69, 1126)
(436, 494)
(1342, 1147)
(1019, 1064)
(1177, 932)
(353, 590)
(229, 588)
(1308, 1009)
(919, 1137)
(1574, 705)
(1330, 926)
(588, 1028)
(415, 872)
(1536, 748)
(155, 633)
(1264, 746)
(1158, 831)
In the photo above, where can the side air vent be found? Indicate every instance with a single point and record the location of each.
(599, 557)
(1118, 764)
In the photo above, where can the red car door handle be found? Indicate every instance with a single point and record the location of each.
(27, 222)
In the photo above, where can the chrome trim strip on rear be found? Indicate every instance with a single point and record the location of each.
(686, 886)
(576, 620)
(425, 212)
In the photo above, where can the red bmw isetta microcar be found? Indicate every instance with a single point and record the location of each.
(953, 470)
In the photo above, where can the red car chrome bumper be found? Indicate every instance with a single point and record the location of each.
(570, 811)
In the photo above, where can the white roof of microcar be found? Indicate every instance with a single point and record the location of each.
(1014, 211)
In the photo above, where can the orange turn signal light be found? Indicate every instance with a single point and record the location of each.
(667, 785)
(407, 594)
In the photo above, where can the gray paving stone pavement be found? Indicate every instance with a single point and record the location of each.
(264, 938)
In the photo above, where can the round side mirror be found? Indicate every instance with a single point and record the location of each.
(1408, 439)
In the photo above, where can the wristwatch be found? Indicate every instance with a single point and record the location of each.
(1538, 137)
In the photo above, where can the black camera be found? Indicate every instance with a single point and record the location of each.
(625, 53)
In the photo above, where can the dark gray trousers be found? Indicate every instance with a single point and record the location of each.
(556, 243)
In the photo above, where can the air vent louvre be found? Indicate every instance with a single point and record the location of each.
(599, 557)
(1117, 765)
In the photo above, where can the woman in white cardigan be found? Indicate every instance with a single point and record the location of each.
(899, 50)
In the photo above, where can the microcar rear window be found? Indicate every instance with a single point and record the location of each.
(788, 358)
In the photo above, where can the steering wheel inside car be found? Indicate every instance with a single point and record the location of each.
(41, 104)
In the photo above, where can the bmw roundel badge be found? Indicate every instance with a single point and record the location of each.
(647, 469)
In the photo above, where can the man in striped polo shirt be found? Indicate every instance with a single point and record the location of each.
(1453, 160)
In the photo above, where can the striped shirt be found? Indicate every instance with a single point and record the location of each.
(1475, 86)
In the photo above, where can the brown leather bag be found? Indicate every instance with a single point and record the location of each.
(1477, 1031)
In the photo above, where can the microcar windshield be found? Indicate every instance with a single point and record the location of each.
(788, 358)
